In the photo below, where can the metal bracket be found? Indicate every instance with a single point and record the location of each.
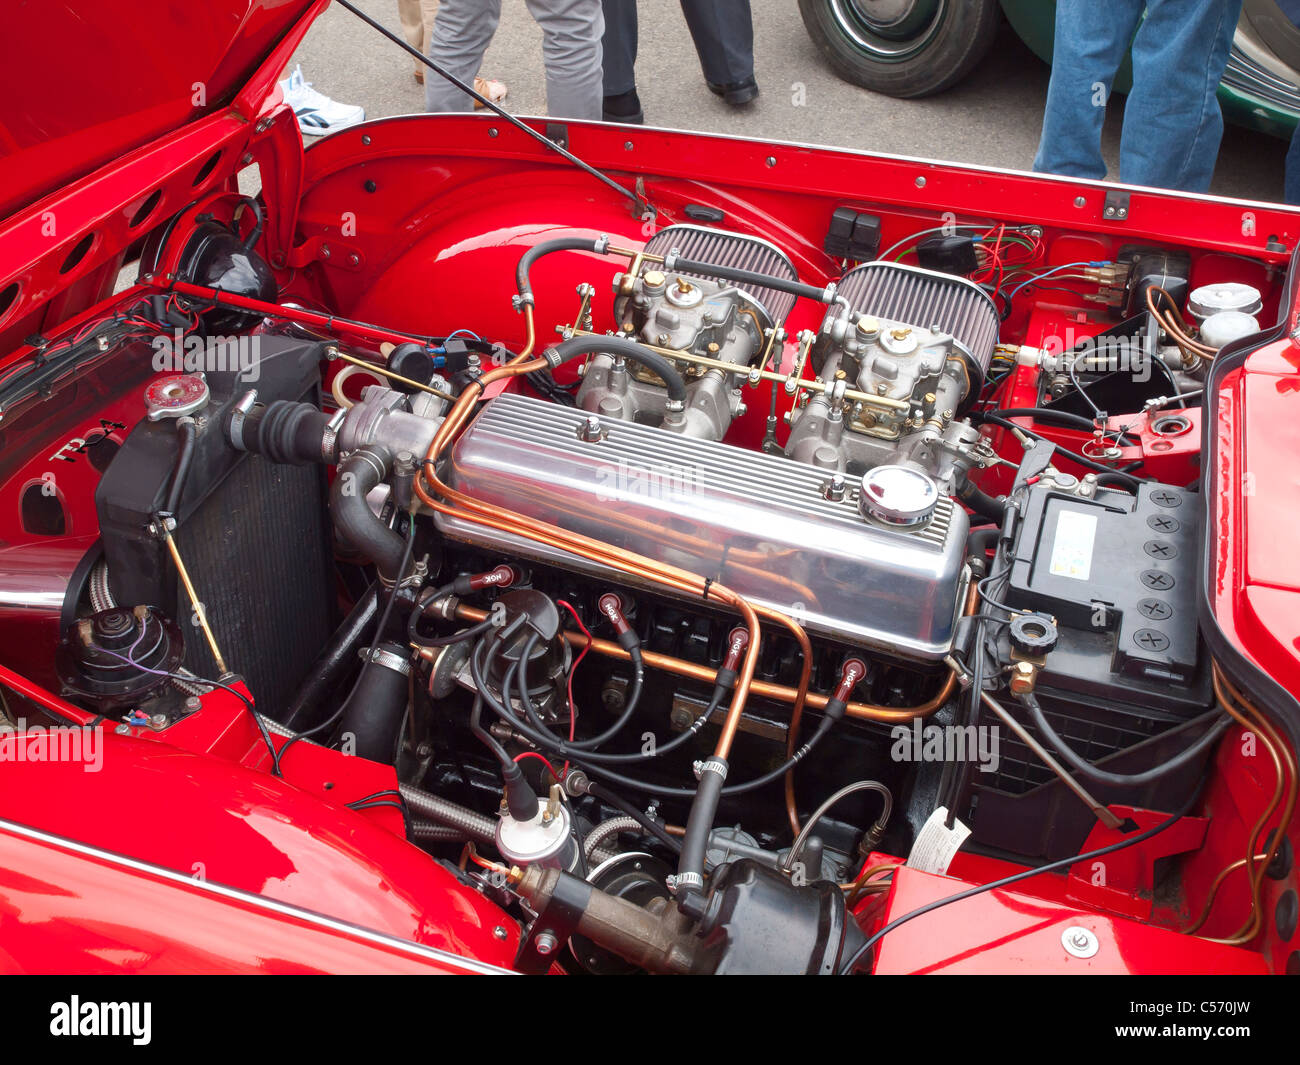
(1115, 207)
(558, 132)
(550, 931)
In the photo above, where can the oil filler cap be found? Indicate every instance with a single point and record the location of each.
(898, 495)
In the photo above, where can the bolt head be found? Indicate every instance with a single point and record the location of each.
(545, 944)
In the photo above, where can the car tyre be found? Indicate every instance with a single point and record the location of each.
(902, 48)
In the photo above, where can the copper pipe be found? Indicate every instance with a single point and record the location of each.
(764, 689)
(460, 505)
(1252, 719)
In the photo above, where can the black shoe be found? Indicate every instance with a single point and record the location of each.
(738, 93)
(624, 108)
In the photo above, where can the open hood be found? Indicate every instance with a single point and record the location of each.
(90, 82)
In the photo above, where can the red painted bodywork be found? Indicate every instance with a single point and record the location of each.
(416, 224)
(66, 909)
(1006, 932)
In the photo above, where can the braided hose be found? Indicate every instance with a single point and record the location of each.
(605, 829)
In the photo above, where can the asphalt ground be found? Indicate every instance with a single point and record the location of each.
(993, 118)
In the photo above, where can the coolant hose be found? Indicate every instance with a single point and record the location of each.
(629, 349)
(695, 844)
(983, 504)
(546, 247)
(376, 707)
(359, 527)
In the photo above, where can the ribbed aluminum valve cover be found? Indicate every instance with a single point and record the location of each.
(760, 524)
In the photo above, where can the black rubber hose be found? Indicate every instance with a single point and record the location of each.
(980, 541)
(546, 247)
(599, 791)
(749, 277)
(375, 711)
(188, 434)
(1063, 418)
(356, 524)
(1117, 478)
(286, 431)
(1074, 456)
(629, 349)
(334, 662)
(254, 234)
(983, 504)
(1119, 780)
(407, 552)
(699, 826)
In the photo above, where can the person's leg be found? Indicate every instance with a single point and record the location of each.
(1091, 39)
(723, 32)
(571, 33)
(428, 16)
(1172, 123)
(619, 46)
(1292, 193)
(461, 35)
(408, 14)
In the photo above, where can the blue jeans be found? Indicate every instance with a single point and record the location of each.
(1172, 122)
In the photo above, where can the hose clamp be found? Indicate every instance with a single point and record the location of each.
(380, 657)
(238, 413)
(683, 882)
(714, 765)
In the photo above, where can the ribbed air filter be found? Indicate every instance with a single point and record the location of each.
(926, 299)
(721, 248)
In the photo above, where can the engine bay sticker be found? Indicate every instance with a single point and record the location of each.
(936, 843)
(1072, 548)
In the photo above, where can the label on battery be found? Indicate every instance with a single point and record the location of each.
(1072, 548)
(936, 844)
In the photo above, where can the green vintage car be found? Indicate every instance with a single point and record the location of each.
(910, 48)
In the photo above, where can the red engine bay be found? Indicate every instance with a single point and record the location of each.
(434, 559)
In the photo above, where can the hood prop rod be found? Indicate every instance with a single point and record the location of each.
(644, 208)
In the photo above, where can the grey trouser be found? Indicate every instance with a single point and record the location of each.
(723, 31)
(571, 32)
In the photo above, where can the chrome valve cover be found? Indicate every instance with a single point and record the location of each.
(763, 525)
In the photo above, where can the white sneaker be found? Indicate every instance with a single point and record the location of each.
(317, 113)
